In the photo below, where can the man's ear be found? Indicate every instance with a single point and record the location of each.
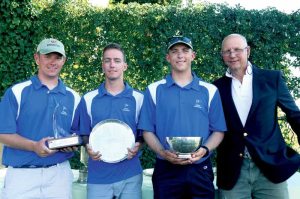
(125, 66)
(248, 52)
(168, 57)
(36, 58)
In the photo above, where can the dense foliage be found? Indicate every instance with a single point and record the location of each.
(143, 31)
(16, 31)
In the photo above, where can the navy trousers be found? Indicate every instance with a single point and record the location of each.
(193, 181)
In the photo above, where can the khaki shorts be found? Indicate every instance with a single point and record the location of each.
(54, 182)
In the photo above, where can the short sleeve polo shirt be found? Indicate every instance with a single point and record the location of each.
(192, 110)
(28, 109)
(99, 105)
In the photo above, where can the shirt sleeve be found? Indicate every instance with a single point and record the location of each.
(216, 114)
(84, 119)
(8, 113)
(148, 112)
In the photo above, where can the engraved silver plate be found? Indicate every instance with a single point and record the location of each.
(111, 138)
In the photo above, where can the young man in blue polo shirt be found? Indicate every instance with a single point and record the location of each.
(114, 99)
(27, 111)
(182, 105)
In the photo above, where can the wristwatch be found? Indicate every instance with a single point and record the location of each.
(207, 151)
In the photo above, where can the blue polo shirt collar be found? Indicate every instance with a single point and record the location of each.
(37, 84)
(193, 85)
(127, 92)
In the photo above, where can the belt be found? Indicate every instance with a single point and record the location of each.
(34, 166)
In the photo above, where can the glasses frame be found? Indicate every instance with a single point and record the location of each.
(236, 51)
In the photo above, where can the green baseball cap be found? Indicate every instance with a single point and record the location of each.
(51, 45)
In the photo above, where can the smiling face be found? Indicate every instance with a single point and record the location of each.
(113, 64)
(235, 52)
(49, 65)
(180, 57)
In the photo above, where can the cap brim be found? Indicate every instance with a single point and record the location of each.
(52, 51)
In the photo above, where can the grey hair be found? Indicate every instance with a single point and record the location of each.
(235, 35)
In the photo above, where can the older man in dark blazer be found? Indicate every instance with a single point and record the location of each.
(253, 161)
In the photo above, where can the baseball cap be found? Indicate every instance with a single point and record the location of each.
(179, 40)
(51, 45)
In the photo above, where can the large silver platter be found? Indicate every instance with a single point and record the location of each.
(111, 138)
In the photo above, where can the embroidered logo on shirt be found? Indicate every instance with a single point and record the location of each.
(64, 111)
(126, 108)
(197, 104)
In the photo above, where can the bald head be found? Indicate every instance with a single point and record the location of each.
(235, 35)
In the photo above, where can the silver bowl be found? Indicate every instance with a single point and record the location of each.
(184, 145)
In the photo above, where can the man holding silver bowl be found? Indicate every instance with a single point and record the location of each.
(183, 121)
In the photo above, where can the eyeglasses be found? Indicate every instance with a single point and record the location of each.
(236, 51)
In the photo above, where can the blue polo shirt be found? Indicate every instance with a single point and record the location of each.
(192, 110)
(27, 109)
(99, 105)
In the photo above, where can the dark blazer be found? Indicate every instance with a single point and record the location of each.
(261, 133)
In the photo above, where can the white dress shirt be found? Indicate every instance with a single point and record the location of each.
(242, 93)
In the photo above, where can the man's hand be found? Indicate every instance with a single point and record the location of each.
(41, 149)
(201, 152)
(94, 155)
(173, 158)
(133, 151)
(69, 149)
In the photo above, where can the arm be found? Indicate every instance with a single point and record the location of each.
(212, 143)
(214, 140)
(19, 142)
(288, 106)
(133, 151)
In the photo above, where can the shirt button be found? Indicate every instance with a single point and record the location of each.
(245, 134)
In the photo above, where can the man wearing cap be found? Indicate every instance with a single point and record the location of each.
(27, 113)
(182, 104)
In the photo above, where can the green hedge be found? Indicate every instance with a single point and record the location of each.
(16, 31)
(143, 31)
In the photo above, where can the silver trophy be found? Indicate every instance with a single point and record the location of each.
(112, 138)
(184, 146)
(62, 137)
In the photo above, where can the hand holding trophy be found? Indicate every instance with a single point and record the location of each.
(184, 146)
(62, 137)
(112, 138)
